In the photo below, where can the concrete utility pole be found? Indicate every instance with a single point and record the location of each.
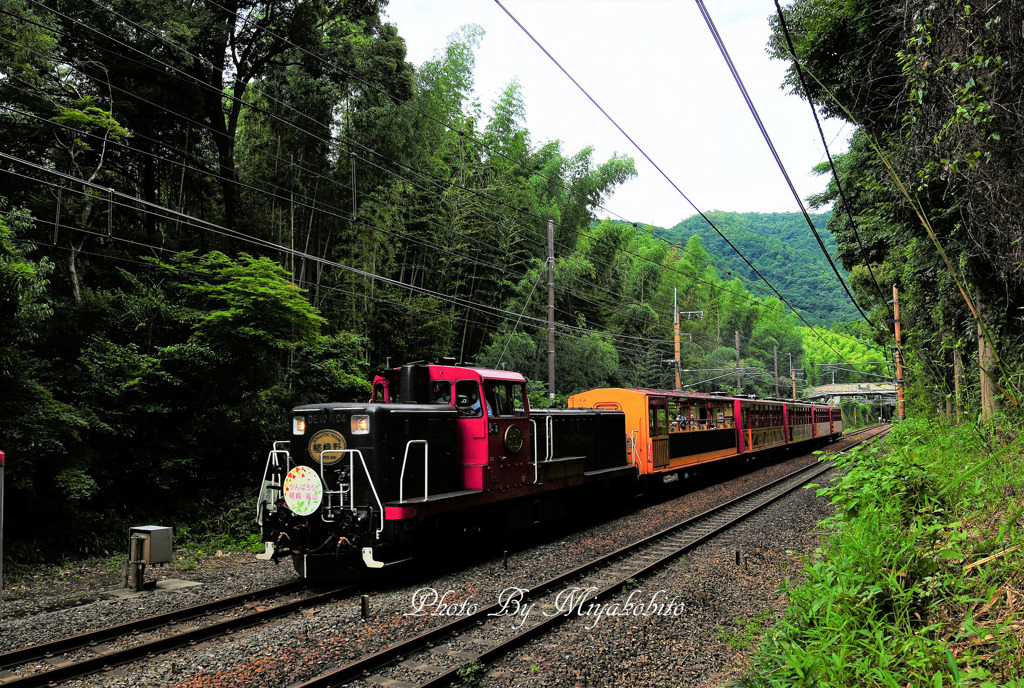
(775, 358)
(675, 320)
(901, 408)
(551, 310)
(792, 375)
(739, 375)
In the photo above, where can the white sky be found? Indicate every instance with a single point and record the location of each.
(654, 67)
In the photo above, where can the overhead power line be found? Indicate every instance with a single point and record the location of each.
(835, 173)
(292, 124)
(660, 171)
(764, 133)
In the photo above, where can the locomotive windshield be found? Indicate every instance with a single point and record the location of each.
(504, 398)
(441, 392)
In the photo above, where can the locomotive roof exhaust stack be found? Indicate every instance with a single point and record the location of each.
(415, 384)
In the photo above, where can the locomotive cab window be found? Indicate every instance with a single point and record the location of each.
(504, 398)
(379, 393)
(467, 399)
(441, 392)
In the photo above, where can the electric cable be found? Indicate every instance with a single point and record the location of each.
(292, 124)
(835, 173)
(775, 154)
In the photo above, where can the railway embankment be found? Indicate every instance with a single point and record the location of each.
(919, 580)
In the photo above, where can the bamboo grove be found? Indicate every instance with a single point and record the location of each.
(212, 211)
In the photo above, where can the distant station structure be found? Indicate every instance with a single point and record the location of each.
(863, 390)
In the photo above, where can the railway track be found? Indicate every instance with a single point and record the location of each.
(92, 652)
(95, 651)
(484, 634)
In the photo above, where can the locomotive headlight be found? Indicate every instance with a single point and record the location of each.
(360, 425)
(298, 425)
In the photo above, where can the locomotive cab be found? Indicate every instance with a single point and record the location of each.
(339, 498)
(492, 425)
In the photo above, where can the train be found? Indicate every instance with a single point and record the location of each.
(442, 448)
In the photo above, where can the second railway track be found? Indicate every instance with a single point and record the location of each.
(94, 651)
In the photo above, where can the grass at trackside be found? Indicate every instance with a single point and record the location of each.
(920, 579)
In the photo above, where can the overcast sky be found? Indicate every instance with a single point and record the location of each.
(654, 67)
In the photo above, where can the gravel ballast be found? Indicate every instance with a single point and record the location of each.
(683, 648)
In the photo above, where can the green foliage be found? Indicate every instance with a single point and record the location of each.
(782, 248)
(936, 96)
(155, 380)
(471, 673)
(152, 348)
(892, 589)
(823, 346)
(219, 526)
(746, 632)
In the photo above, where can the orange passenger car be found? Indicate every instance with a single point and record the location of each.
(668, 431)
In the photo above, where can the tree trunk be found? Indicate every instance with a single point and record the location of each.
(73, 271)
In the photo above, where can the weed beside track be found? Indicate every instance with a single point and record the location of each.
(919, 581)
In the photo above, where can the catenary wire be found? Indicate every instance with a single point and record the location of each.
(292, 124)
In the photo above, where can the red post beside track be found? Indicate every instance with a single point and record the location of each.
(1, 534)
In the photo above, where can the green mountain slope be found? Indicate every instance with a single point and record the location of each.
(782, 248)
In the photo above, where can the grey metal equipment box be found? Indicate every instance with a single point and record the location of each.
(156, 543)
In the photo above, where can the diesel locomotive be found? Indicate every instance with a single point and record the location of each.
(443, 448)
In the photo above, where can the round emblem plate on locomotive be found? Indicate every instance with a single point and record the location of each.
(326, 440)
(303, 490)
(513, 439)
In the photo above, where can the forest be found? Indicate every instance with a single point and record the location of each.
(908, 587)
(928, 196)
(210, 213)
(783, 250)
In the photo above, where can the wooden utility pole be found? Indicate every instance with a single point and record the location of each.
(958, 383)
(900, 406)
(986, 362)
(551, 310)
(675, 320)
(739, 375)
(775, 358)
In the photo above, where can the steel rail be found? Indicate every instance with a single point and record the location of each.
(84, 640)
(106, 660)
(761, 498)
